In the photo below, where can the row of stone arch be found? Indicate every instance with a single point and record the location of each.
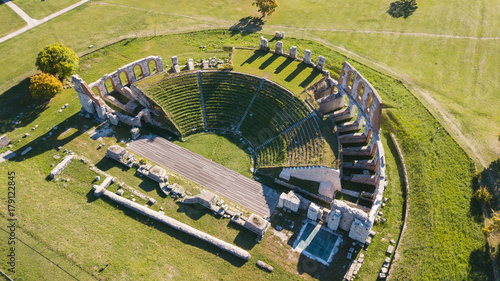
(363, 93)
(127, 75)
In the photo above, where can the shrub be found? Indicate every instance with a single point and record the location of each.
(482, 195)
(494, 226)
(44, 86)
(57, 59)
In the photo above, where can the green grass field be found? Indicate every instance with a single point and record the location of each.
(9, 20)
(292, 75)
(432, 157)
(445, 52)
(225, 150)
(362, 30)
(41, 9)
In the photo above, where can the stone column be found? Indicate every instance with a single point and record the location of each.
(293, 52)
(85, 100)
(175, 64)
(279, 48)
(190, 64)
(174, 60)
(264, 45)
(282, 35)
(144, 65)
(321, 63)
(277, 34)
(307, 56)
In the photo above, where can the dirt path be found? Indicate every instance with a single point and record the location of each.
(33, 22)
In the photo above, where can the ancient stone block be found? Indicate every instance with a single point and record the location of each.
(313, 211)
(135, 133)
(4, 141)
(175, 61)
(293, 52)
(321, 62)
(290, 201)
(61, 166)
(264, 44)
(307, 56)
(279, 48)
(190, 64)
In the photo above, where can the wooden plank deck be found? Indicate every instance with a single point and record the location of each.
(246, 192)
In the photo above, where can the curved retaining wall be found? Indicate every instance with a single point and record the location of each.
(407, 205)
(98, 191)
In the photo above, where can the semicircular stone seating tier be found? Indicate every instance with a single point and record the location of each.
(278, 126)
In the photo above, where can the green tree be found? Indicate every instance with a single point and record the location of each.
(482, 195)
(266, 7)
(57, 59)
(44, 86)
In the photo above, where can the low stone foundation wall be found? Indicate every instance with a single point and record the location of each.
(98, 191)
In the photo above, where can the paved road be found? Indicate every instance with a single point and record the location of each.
(33, 22)
(246, 192)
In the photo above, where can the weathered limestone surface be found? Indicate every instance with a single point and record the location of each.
(293, 52)
(264, 266)
(4, 141)
(98, 191)
(349, 214)
(264, 44)
(321, 63)
(290, 201)
(190, 64)
(61, 166)
(279, 48)
(314, 212)
(307, 56)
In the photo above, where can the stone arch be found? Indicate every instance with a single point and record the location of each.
(124, 79)
(350, 81)
(154, 69)
(110, 85)
(96, 91)
(369, 101)
(360, 91)
(138, 72)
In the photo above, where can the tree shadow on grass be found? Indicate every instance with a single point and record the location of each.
(247, 25)
(15, 100)
(179, 235)
(49, 140)
(480, 265)
(402, 8)
(490, 177)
